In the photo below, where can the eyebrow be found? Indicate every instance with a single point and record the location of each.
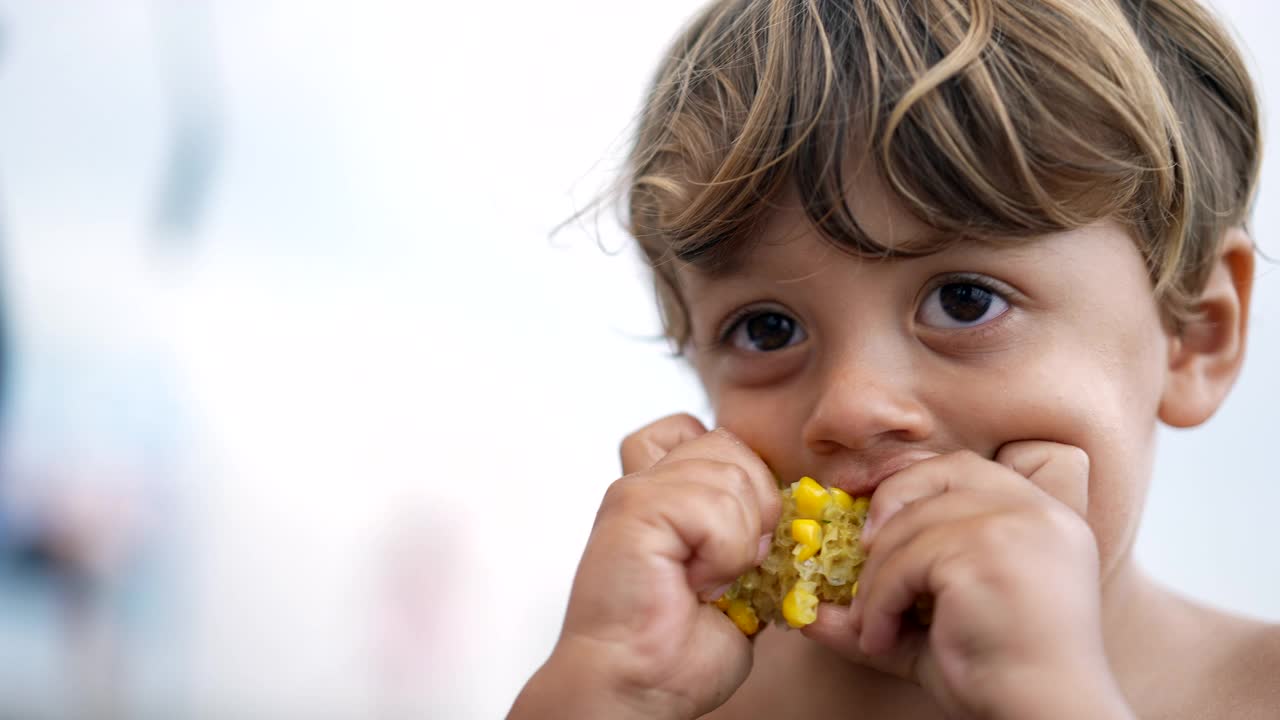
(719, 258)
(729, 258)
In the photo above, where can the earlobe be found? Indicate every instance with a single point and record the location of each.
(1206, 354)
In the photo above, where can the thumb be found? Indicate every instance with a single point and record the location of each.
(643, 448)
(1060, 470)
(840, 628)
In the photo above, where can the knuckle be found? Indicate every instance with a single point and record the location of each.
(1073, 529)
(1048, 516)
(727, 510)
(987, 569)
(997, 535)
(678, 425)
(686, 468)
(771, 505)
(969, 458)
(960, 571)
(622, 495)
(632, 442)
(736, 477)
(725, 435)
(1076, 458)
(683, 420)
(724, 475)
(1010, 451)
(737, 448)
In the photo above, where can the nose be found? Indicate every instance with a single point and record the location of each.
(861, 406)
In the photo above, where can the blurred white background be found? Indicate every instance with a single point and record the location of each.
(293, 340)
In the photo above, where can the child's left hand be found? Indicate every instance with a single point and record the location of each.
(1012, 568)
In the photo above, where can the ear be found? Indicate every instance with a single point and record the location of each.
(1206, 354)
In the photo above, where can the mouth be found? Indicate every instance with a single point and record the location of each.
(863, 478)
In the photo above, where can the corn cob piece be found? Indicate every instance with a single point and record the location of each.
(815, 556)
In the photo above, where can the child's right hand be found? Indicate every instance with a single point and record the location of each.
(694, 511)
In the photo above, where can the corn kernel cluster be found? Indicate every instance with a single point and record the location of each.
(815, 556)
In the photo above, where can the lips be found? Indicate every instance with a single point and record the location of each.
(863, 477)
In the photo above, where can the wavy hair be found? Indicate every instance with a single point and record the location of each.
(990, 119)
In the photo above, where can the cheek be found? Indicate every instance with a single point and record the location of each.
(1120, 470)
(1106, 409)
(768, 422)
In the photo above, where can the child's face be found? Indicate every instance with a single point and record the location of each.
(846, 369)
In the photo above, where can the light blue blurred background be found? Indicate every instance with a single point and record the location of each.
(309, 414)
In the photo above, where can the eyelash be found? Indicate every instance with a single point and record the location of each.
(977, 332)
(974, 279)
(723, 337)
(724, 333)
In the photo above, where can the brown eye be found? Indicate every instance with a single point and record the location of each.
(964, 303)
(961, 304)
(765, 332)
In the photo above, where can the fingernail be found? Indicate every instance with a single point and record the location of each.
(766, 542)
(717, 593)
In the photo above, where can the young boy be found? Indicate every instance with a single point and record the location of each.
(961, 257)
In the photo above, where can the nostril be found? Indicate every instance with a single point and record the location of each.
(824, 447)
(859, 416)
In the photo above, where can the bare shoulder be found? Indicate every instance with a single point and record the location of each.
(1245, 680)
(1209, 663)
(1255, 665)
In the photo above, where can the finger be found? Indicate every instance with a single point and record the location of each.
(903, 577)
(723, 446)
(924, 479)
(697, 514)
(909, 659)
(723, 477)
(921, 516)
(1060, 470)
(836, 628)
(722, 533)
(643, 448)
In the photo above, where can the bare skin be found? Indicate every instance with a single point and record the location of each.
(1230, 675)
(999, 405)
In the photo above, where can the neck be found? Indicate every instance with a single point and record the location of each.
(1140, 620)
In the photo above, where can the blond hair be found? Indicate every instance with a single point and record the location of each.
(987, 119)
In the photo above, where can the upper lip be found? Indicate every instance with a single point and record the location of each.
(862, 477)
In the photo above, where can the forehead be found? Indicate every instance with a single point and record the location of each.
(787, 243)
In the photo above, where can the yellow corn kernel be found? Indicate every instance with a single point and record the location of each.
(800, 606)
(841, 499)
(742, 615)
(808, 537)
(860, 506)
(722, 602)
(853, 591)
(811, 498)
